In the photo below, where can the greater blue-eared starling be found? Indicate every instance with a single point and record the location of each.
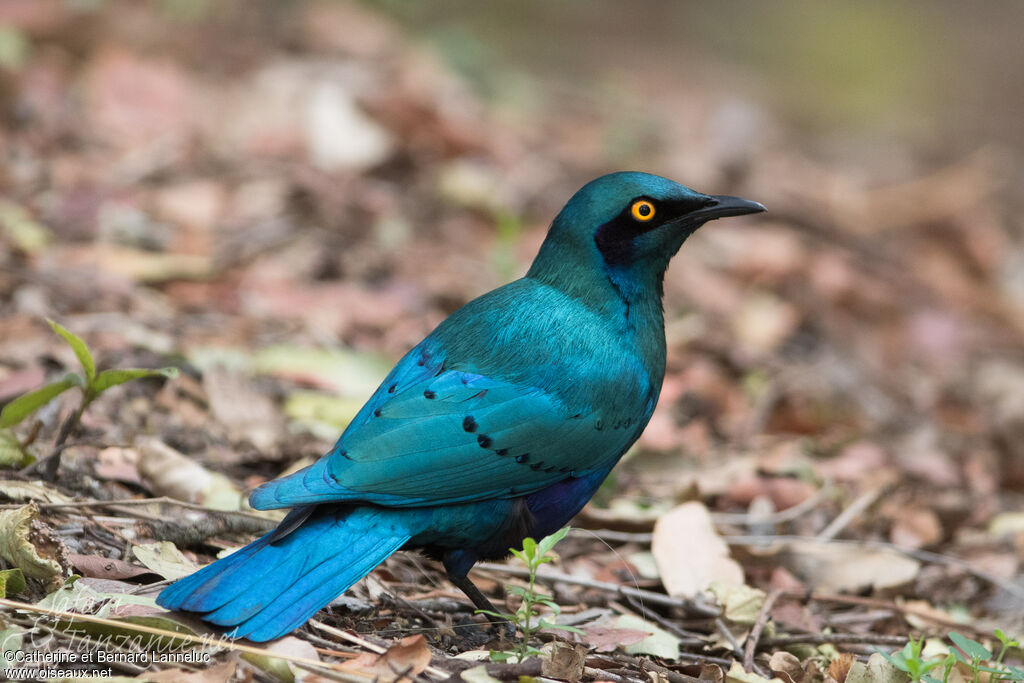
(499, 425)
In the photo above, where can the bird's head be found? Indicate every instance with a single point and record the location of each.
(628, 225)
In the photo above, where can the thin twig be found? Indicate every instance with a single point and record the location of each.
(862, 503)
(646, 665)
(685, 637)
(161, 500)
(647, 596)
(922, 555)
(744, 519)
(755, 632)
(602, 675)
(903, 610)
(833, 639)
(723, 629)
(207, 641)
(362, 642)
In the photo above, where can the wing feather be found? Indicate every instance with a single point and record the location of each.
(432, 435)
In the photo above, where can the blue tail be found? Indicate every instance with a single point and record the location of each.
(273, 585)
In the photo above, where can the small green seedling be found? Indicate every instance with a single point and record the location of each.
(527, 618)
(909, 661)
(91, 383)
(972, 654)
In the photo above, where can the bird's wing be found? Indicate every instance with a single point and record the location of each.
(435, 436)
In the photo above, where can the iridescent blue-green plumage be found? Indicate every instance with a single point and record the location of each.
(499, 425)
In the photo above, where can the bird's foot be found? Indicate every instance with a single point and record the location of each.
(502, 626)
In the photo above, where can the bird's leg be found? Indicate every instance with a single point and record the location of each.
(476, 597)
(462, 582)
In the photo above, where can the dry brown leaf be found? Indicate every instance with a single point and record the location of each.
(566, 661)
(607, 639)
(737, 674)
(213, 674)
(31, 545)
(406, 659)
(833, 567)
(248, 414)
(711, 673)
(916, 528)
(839, 667)
(786, 666)
(170, 473)
(98, 567)
(877, 670)
(689, 552)
(763, 322)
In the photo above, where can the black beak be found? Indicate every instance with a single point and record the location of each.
(721, 206)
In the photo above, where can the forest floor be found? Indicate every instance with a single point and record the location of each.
(280, 201)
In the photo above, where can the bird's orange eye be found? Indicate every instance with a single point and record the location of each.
(642, 210)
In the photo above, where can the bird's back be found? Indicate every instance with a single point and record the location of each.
(596, 359)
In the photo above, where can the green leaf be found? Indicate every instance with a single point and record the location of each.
(971, 647)
(530, 548)
(517, 590)
(548, 542)
(80, 349)
(111, 378)
(12, 581)
(489, 613)
(897, 659)
(12, 455)
(545, 624)
(26, 404)
(550, 604)
(499, 656)
(660, 643)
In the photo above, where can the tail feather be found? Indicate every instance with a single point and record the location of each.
(272, 586)
(300, 602)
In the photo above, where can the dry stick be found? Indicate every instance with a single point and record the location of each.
(361, 642)
(723, 629)
(745, 519)
(646, 665)
(755, 632)
(72, 639)
(922, 555)
(161, 500)
(501, 670)
(885, 604)
(833, 639)
(206, 641)
(862, 503)
(602, 675)
(625, 591)
(780, 517)
(49, 465)
(685, 637)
